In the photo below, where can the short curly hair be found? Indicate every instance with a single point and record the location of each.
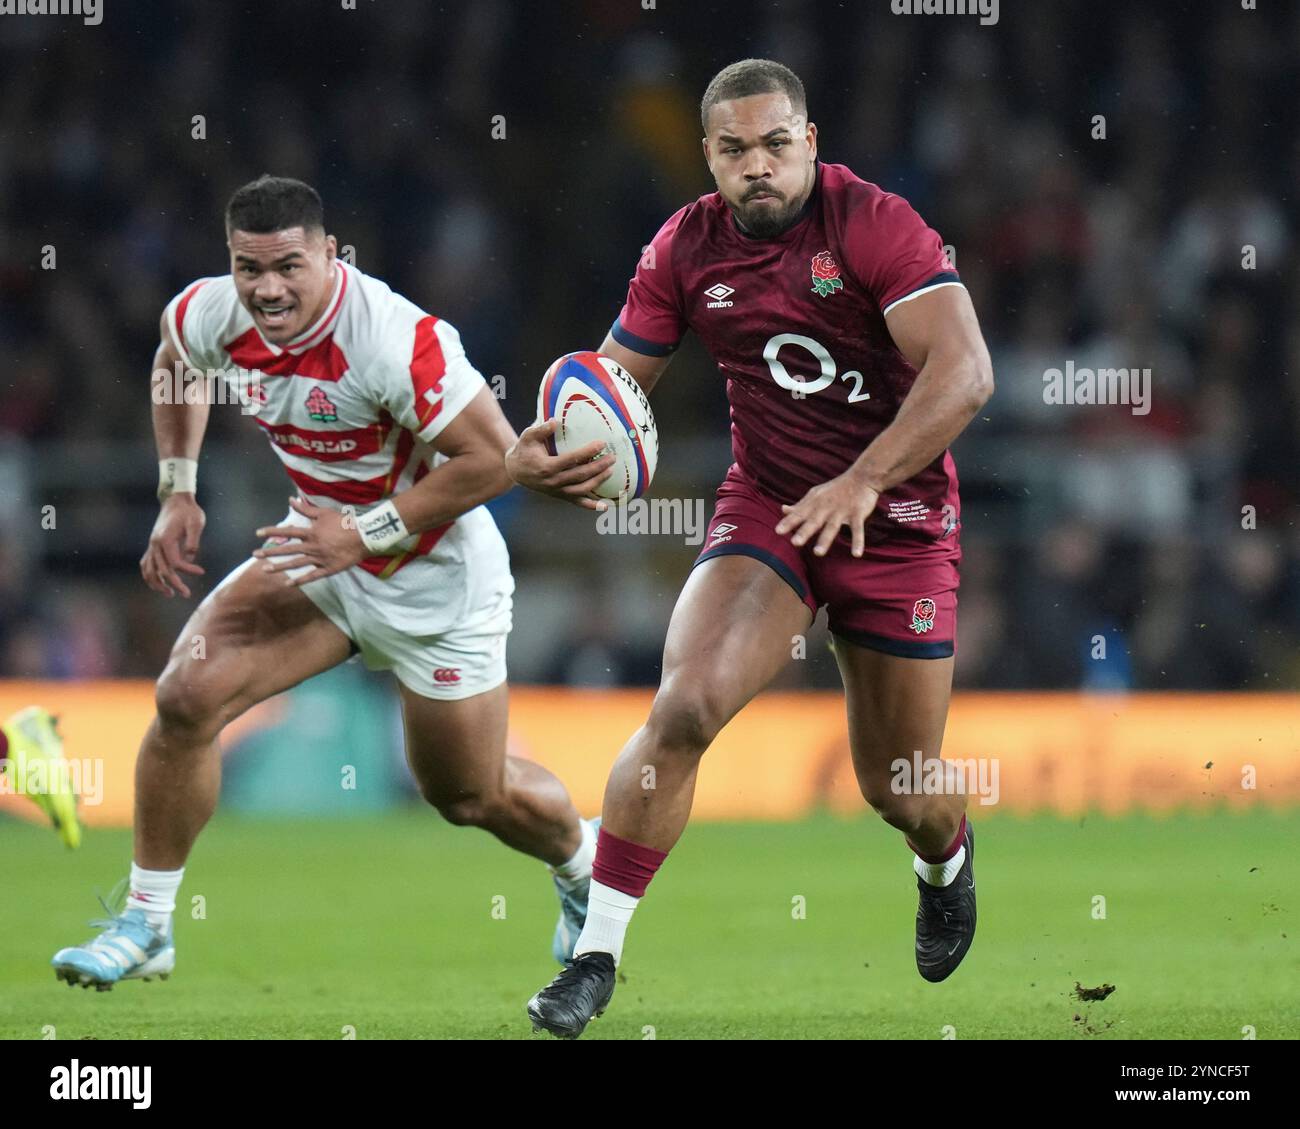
(275, 203)
(752, 76)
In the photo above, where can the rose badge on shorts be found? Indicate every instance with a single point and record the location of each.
(825, 275)
(922, 616)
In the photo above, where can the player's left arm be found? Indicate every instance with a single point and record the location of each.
(474, 443)
(939, 335)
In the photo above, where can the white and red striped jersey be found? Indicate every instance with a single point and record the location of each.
(351, 405)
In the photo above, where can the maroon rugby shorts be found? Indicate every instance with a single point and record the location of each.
(899, 597)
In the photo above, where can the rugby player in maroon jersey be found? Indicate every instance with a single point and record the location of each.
(853, 359)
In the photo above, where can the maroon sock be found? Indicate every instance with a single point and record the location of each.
(953, 847)
(4, 745)
(625, 866)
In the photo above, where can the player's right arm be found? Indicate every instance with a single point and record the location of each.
(573, 476)
(646, 370)
(642, 341)
(178, 434)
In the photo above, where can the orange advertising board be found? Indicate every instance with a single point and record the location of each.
(786, 754)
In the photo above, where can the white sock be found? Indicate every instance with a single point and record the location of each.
(939, 873)
(608, 912)
(154, 891)
(577, 870)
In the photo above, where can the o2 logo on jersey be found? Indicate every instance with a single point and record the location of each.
(799, 387)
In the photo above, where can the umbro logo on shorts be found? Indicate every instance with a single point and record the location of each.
(447, 674)
(721, 532)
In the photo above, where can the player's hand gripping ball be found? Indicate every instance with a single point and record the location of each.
(592, 398)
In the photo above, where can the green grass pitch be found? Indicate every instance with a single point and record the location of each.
(404, 927)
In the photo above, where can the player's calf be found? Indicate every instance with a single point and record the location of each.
(930, 821)
(486, 811)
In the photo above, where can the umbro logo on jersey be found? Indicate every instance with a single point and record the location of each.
(719, 293)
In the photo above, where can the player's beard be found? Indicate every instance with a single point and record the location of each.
(767, 220)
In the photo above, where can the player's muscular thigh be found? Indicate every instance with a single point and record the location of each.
(730, 635)
(250, 639)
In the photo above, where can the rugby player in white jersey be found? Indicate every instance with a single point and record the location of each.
(393, 441)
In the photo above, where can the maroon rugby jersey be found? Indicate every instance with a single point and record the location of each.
(796, 324)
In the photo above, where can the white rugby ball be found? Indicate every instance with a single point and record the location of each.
(591, 397)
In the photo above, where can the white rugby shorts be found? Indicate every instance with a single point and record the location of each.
(439, 623)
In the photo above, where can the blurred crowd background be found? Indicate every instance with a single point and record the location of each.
(1172, 536)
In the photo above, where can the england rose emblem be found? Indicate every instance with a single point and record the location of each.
(922, 616)
(825, 275)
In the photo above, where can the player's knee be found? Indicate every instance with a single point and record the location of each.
(685, 719)
(188, 704)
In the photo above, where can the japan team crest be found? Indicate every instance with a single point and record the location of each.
(825, 275)
(922, 616)
(319, 406)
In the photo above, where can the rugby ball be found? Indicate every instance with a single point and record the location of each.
(591, 397)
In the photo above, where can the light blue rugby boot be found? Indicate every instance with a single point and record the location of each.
(573, 912)
(129, 948)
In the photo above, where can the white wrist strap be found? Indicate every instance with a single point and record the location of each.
(177, 476)
(382, 527)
